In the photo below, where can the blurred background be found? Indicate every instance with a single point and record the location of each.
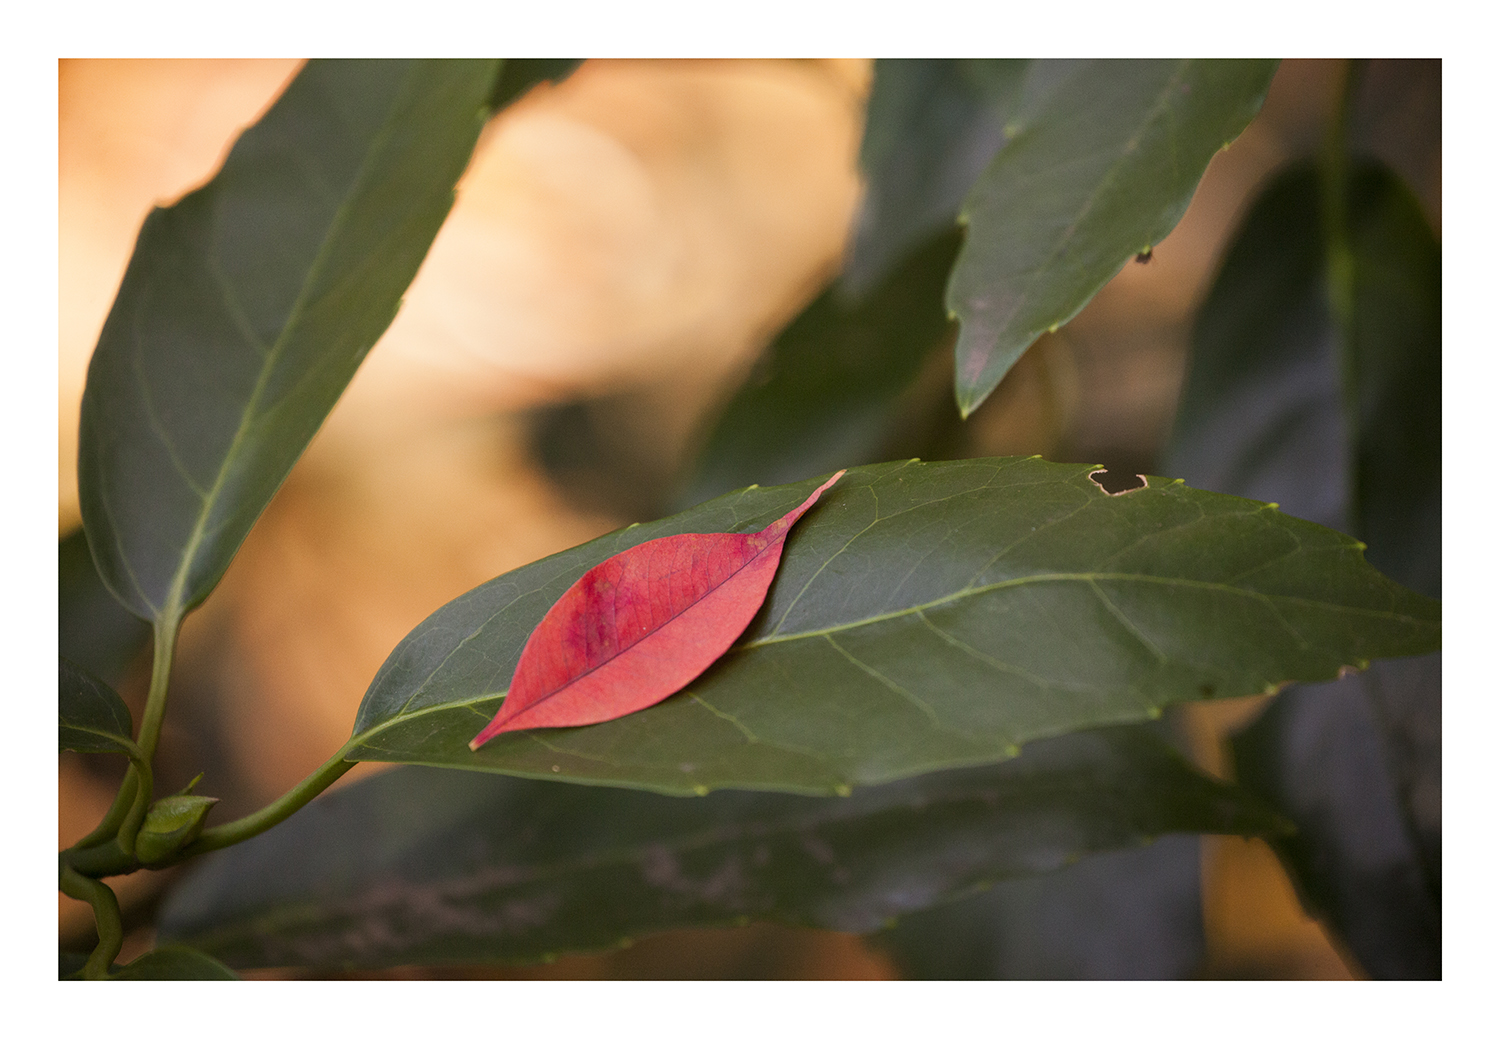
(624, 245)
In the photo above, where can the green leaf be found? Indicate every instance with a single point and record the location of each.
(174, 963)
(1396, 339)
(247, 307)
(925, 616)
(931, 127)
(429, 865)
(821, 398)
(1103, 169)
(93, 629)
(91, 717)
(1331, 758)
(171, 824)
(1125, 914)
(518, 75)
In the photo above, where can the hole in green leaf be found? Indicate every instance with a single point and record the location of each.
(1117, 482)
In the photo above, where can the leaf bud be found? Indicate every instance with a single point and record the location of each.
(170, 824)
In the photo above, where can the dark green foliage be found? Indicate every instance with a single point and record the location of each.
(91, 717)
(247, 307)
(925, 616)
(1340, 422)
(431, 866)
(1104, 167)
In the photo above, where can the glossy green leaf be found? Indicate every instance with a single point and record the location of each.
(174, 963)
(91, 717)
(430, 865)
(1103, 169)
(247, 307)
(925, 616)
(1358, 766)
(821, 397)
(931, 127)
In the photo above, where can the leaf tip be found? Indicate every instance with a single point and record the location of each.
(843, 789)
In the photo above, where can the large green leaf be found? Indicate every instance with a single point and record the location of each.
(821, 398)
(430, 865)
(247, 307)
(925, 616)
(1104, 168)
(1358, 766)
(91, 717)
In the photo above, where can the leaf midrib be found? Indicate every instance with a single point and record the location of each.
(1084, 577)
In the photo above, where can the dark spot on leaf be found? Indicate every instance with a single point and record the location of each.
(1144, 256)
(1205, 690)
(1112, 482)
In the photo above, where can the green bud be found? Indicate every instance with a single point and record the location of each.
(170, 824)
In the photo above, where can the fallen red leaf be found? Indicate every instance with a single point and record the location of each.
(641, 625)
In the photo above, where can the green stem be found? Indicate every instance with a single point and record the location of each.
(125, 839)
(106, 919)
(113, 858)
(123, 820)
(1339, 267)
(167, 627)
(216, 837)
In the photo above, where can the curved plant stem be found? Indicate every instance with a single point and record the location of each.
(106, 919)
(216, 837)
(114, 858)
(130, 804)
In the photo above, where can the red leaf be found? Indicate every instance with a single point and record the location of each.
(641, 625)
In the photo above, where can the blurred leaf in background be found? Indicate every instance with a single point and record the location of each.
(440, 866)
(1339, 421)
